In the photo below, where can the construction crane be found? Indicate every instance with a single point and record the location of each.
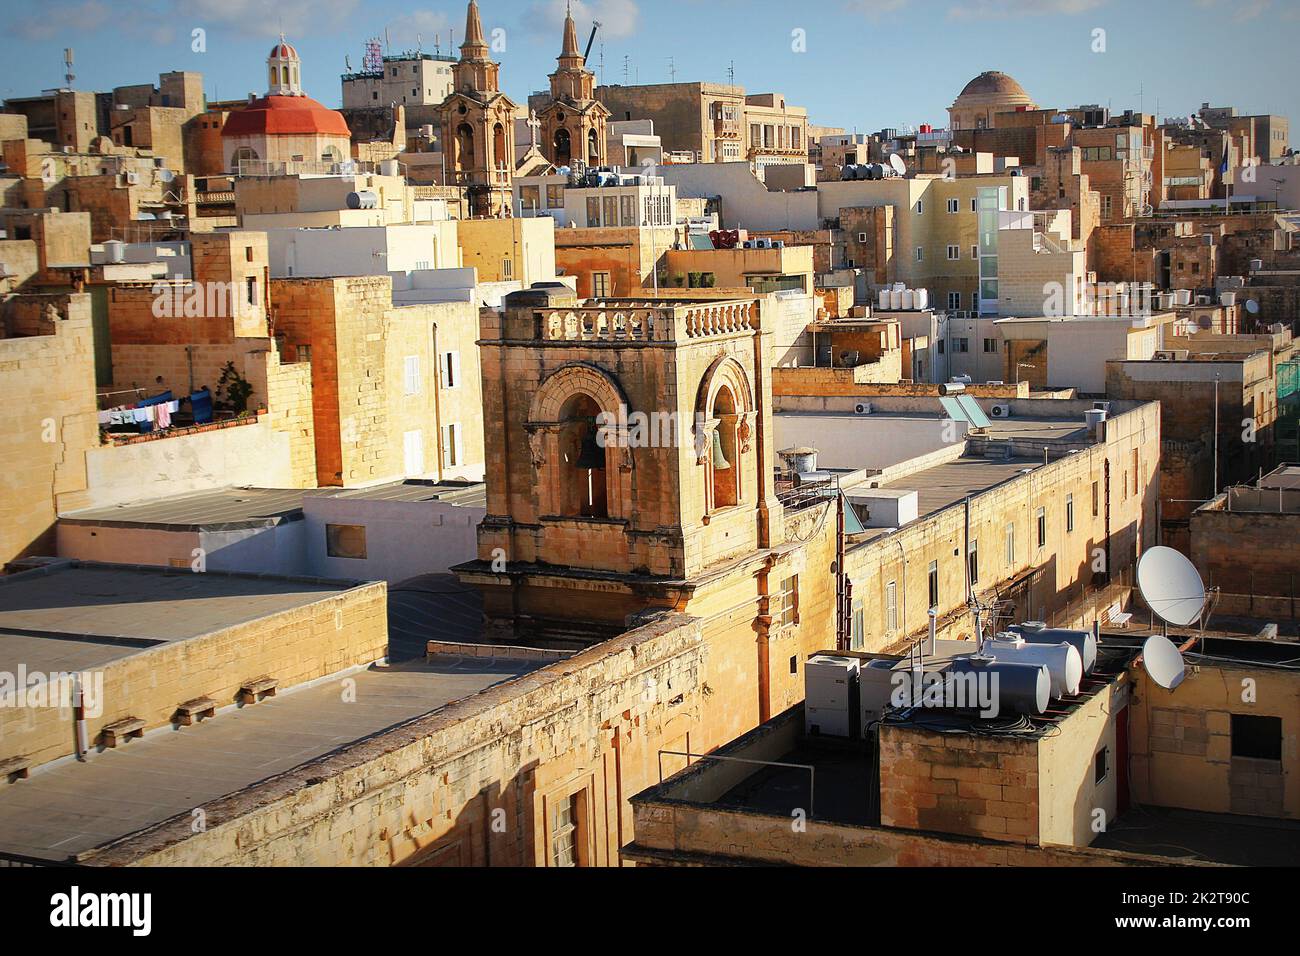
(595, 25)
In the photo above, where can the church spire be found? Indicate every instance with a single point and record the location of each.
(570, 35)
(474, 47)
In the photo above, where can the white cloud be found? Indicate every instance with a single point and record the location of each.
(421, 26)
(618, 18)
(55, 19)
(266, 18)
(1006, 9)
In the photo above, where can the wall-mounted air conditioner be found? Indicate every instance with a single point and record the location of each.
(862, 408)
(1000, 411)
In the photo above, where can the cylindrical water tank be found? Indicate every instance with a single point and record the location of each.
(922, 299)
(803, 460)
(909, 300)
(1081, 641)
(1063, 663)
(115, 251)
(1022, 688)
(896, 300)
(389, 167)
(884, 299)
(362, 199)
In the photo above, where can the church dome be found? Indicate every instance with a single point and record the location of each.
(285, 116)
(283, 51)
(993, 82)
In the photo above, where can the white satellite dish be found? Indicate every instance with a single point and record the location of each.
(1171, 586)
(1252, 306)
(1163, 662)
(897, 163)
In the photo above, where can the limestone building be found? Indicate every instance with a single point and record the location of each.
(478, 131)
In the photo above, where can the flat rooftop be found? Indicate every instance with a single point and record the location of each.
(1195, 837)
(945, 485)
(232, 509)
(73, 615)
(69, 807)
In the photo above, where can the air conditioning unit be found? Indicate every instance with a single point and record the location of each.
(132, 178)
(862, 408)
(1000, 411)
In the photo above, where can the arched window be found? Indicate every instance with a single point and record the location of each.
(331, 154)
(724, 462)
(273, 74)
(243, 154)
(284, 75)
(563, 147)
(582, 475)
(593, 148)
(464, 147)
(499, 147)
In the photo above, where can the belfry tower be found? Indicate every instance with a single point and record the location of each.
(573, 122)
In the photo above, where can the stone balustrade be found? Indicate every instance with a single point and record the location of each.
(629, 320)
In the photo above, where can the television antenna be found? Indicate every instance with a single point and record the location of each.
(1172, 587)
(68, 76)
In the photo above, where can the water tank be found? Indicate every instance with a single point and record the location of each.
(909, 300)
(884, 300)
(896, 300)
(1183, 297)
(389, 167)
(1082, 641)
(1022, 688)
(922, 299)
(115, 251)
(803, 461)
(1228, 298)
(1063, 663)
(363, 199)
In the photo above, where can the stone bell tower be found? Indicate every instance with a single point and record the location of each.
(478, 129)
(631, 463)
(573, 122)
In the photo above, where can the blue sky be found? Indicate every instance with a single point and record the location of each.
(868, 63)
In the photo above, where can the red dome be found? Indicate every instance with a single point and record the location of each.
(285, 115)
(284, 51)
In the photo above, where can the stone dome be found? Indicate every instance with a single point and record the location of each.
(993, 82)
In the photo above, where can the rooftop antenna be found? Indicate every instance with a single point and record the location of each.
(627, 67)
(672, 71)
(731, 74)
(419, 43)
(388, 47)
(373, 62)
(68, 76)
(1172, 587)
(347, 62)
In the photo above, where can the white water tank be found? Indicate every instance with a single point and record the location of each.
(115, 251)
(1063, 663)
(884, 300)
(922, 299)
(909, 300)
(1083, 641)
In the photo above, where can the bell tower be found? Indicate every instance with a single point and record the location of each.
(478, 129)
(573, 122)
(631, 466)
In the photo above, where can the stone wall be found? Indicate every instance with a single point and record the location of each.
(47, 376)
(314, 640)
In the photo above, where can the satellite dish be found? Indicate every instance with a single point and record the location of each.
(1252, 306)
(1171, 586)
(1163, 663)
(897, 163)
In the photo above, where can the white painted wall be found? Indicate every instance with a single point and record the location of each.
(864, 441)
(403, 538)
